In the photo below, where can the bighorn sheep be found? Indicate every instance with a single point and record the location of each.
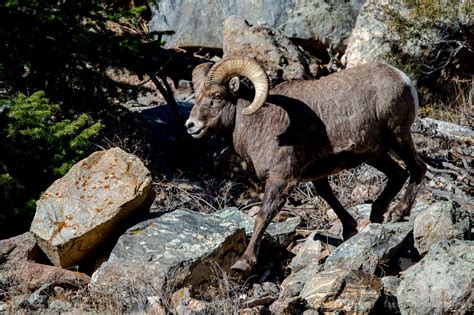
(308, 130)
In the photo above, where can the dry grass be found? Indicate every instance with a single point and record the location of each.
(206, 196)
(460, 108)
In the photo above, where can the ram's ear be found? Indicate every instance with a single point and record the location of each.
(234, 85)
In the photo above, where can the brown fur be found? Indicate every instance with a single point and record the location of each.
(308, 130)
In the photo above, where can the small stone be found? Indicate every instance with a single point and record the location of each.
(59, 290)
(312, 251)
(20, 301)
(60, 306)
(40, 297)
(3, 307)
(263, 295)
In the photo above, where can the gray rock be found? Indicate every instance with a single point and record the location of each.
(443, 130)
(40, 297)
(294, 283)
(129, 282)
(441, 221)
(312, 252)
(20, 302)
(342, 290)
(80, 211)
(389, 300)
(279, 234)
(5, 281)
(288, 307)
(263, 294)
(390, 284)
(370, 247)
(179, 248)
(441, 282)
(200, 24)
(271, 48)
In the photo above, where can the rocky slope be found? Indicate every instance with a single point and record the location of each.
(104, 240)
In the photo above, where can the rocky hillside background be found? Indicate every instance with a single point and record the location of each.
(108, 206)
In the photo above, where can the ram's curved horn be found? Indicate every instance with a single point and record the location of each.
(230, 67)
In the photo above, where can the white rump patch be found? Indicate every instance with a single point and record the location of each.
(408, 81)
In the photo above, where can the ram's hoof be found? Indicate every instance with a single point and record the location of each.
(241, 266)
(376, 217)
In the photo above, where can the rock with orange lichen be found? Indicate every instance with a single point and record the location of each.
(80, 212)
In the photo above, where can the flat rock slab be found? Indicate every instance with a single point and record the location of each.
(80, 211)
(180, 247)
(441, 221)
(30, 276)
(441, 282)
(370, 247)
(342, 290)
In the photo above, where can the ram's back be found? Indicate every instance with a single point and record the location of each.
(358, 105)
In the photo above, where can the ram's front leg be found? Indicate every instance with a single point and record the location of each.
(276, 192)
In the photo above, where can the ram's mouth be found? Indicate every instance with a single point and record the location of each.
(196, 133)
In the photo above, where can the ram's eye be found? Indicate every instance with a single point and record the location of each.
(217, 97)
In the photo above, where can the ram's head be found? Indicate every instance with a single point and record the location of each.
(216, 87)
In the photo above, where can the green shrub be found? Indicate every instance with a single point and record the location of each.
(38, 145)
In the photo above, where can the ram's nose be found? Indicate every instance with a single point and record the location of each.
(189, 124)
(195, 128)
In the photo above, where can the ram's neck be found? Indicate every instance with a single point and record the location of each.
(258, 134)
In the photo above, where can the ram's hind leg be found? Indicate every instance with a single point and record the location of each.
(405, 149)
(349, 225)
(396, 177)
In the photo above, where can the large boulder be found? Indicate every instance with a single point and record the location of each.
(386, 28)
(200, 24)
(441, 282)
(371, 247)
(271, 48)
(442, 221)
(372, 38)
(84, 209)
(175, 249)
(429, 42)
